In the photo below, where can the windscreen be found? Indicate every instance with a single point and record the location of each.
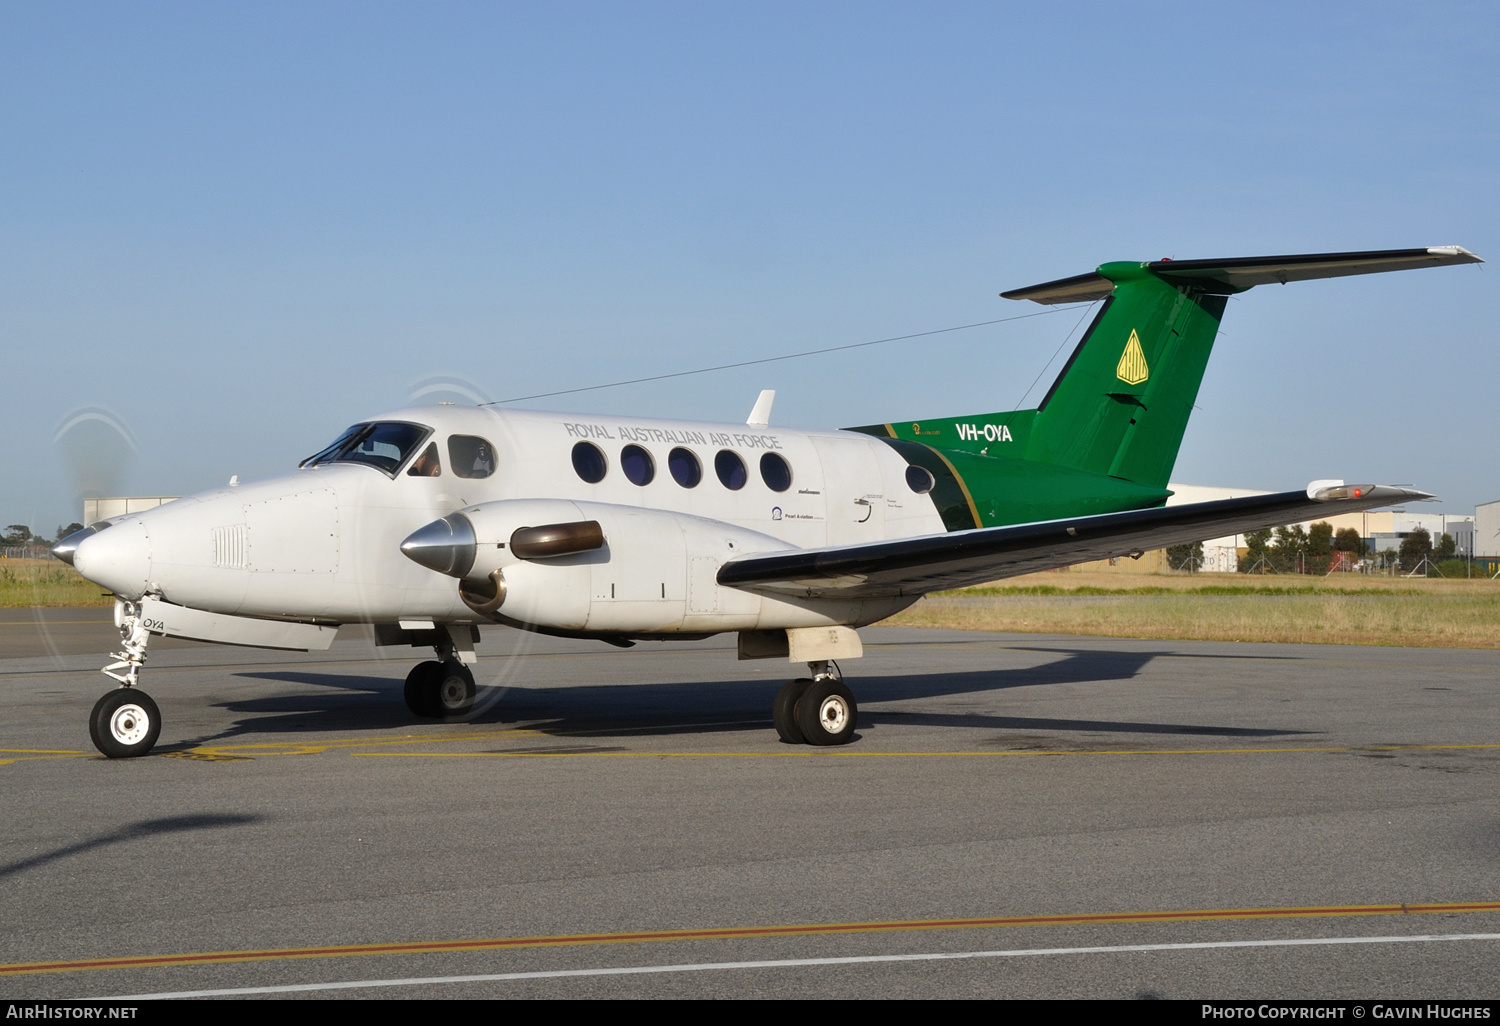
(384, 445)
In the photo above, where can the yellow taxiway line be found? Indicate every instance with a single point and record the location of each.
(735, 933)
(841, 754)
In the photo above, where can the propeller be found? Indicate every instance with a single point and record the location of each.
(445, 388)
(97, 450)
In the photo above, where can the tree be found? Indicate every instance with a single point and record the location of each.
(1319, 547)
(1348, 540)
(16, 534)
(1415, 547)
(1289, 548)
(1258, 554)
(1446, 548)
(1185, 557)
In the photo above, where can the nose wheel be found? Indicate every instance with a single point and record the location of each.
(816, 710)
(125, 723)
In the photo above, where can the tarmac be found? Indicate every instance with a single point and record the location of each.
(1019, 816)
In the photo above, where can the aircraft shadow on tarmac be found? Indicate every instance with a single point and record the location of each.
(133, 832)
(716, 706)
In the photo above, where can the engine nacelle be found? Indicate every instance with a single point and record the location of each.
(597, 567)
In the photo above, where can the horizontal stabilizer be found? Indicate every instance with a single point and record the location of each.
(916, 566)
(1235, 274)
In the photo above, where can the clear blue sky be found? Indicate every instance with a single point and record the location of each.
(242, 227)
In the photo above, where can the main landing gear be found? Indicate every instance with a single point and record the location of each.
(441, 687)
(125, 723)
(816, 710)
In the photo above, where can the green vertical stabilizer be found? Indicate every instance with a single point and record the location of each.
(1122, 402)
(1105, 436)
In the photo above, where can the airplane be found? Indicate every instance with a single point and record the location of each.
(426, 522)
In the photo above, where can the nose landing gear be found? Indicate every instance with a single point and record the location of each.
(125, 723)
(819, 710)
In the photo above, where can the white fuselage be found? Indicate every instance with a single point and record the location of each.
(322, 544)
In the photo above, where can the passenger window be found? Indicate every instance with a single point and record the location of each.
(470, 456)
(426, 465)
(920, 480)
(638, 465)
(775, 472)
(589, 462)
(685, 468)
(731, 470)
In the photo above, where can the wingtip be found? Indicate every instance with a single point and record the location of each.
(1332, 491)
(1459, 254)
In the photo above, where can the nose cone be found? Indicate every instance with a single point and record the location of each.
(118, 559)
(447, 545)
(65, 548)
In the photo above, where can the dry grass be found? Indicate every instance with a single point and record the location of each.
(1344, 610)
(46, 582)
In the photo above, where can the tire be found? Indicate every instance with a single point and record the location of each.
(826, 713)
(784, 711)
(125, 723)
(421, 688)
(452, 690)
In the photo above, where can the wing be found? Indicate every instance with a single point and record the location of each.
(915, 566)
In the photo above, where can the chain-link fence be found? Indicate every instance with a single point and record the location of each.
(25, 552)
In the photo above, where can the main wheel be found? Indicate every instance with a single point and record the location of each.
(826, 713)
(125, 723)
(784, 711)
(421, 688)
(453, 692)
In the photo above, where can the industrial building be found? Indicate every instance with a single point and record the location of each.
(1381, 530)
(1487, 529)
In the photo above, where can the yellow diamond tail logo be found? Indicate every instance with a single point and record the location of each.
(1132, 366)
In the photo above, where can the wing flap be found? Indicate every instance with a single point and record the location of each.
(915, 566)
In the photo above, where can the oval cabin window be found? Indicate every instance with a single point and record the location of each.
(731, 470)
(685, 468)
(637, 464)
(775, 472)
(589, 462)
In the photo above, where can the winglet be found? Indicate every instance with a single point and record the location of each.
(760, 416)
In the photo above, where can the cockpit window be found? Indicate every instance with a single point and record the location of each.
(426, 465)
(323, 454)
(470, 456)
(384, 445)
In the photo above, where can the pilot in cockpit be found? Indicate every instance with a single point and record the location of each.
(484, 462)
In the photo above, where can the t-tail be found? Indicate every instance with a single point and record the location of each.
(1105, 436)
